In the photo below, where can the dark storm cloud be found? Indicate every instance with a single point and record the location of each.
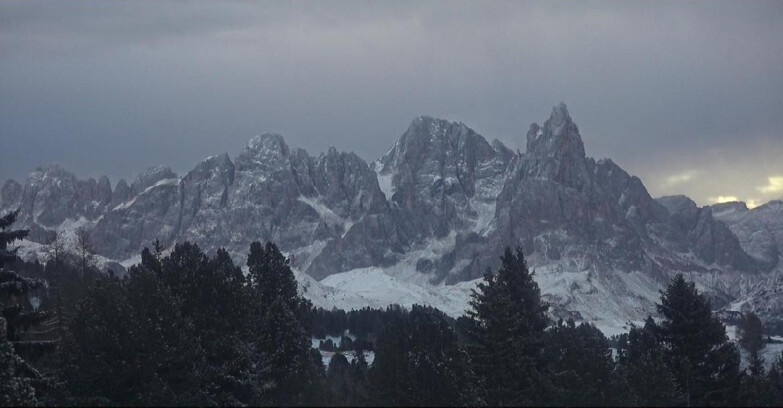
(689, 96)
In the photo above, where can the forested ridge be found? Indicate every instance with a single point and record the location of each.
(186, 328)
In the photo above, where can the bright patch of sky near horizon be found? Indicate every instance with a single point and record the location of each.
(686, 95)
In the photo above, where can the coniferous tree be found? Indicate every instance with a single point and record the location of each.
(750, 331)
(505, 332)
(419, 363)
(215, 297)
(15, 389)
(129, 344)
(642, 377)
(704, 362)
(14, 289)
(580, 365)
(282, 327)
(8, 236)
(16, 316)
(775, 381)
(340, 377)
(359, 368)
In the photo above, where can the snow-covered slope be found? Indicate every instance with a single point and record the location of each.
(425, 221)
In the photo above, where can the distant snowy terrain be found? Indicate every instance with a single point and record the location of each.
(423, 223)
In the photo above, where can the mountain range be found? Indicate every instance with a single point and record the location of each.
(424, 222)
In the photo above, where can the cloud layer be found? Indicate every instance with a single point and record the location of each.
(686, 95)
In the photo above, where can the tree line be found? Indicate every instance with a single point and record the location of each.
(185, 328)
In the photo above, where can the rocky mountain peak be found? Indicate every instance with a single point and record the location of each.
(679, 204)
(438, 207)
(555, 150)
(219, 166)
(738, 206)
(267, 143)
(120, 193)
(560, 114)
(104, 190)
(149, 177)
(559, 137)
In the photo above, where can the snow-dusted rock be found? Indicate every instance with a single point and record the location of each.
(429, 218)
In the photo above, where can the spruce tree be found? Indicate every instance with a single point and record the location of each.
(16, 316)
(704, 362)
(419, 363)
(270, 275)
(642, 377)
(775, 381)
(15, 389)
(750, 331)
(8, 236)
(282, 326)
(214, 295)
(580, 365)
(505, 332)
(129, 344)
(341, 381)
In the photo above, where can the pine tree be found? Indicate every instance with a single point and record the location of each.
(505, 331)
(642, 377)
(704, 362)
(16, 316)
(282, 325)
(215, 297)
(15, 389)
(8, 236)
(419, 363)
(359, 369)
(774, 396)
(580, 365)
(341, 381)
(751, 339)
(129, 344)
(755, 387)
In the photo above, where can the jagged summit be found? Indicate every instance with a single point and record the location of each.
(559, 137)
(555, 151)
(151, 176)
(439, 207)
(560, 114)
(268, 142)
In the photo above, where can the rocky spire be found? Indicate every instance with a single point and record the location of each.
(556, 151)
(268, 143)
(559, 137)
(104, 190)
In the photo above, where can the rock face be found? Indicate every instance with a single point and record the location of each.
(709, 237)
(442, 180)
(439, 207)
(760, 233)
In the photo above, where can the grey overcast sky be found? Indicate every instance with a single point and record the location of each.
(686, 95)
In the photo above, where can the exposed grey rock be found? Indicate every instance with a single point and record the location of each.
(149, 177)
(10, 195)
(104, 191)
(443, 202)
(53, 195)
(120, 194)
(144, 217)
(710, 239)
(445, 178)
(760, 230)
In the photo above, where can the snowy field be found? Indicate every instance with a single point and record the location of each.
(326, 356)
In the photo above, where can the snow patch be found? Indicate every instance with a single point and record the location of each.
(164, 182)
